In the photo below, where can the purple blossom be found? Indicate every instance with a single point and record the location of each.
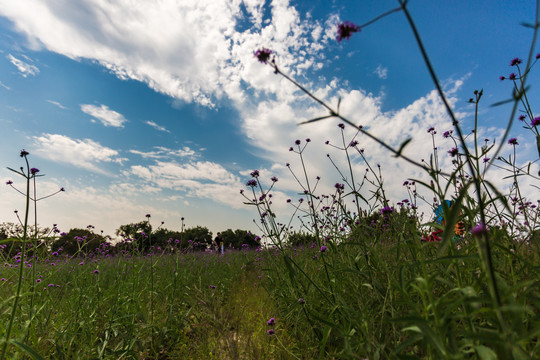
(274, 179)
(387, 210)
(431, 130)
(479, 230)
(536, 121)
(339, 186)
(24, 153)
(513, 141)
(9, 182)
(254, 173)
(512, 76)
(147, 215)
(522, 117)
(212, 286)
(447, 133)
(308, 140)
(453, 152)
(341, 126)
(346, 29)
(301, 301)
(251, 183)
(515, 61)
(270, 332)
(263, 55)
(323, 248)
(34, 171)
(501, 78)
(297, 142)
(486, 159)
(271, 322)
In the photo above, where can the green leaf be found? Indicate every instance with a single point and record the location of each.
(485, 353)
(27, 349)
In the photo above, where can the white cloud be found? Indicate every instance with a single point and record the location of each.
(189, 50)
(24, 68)
(4, 86)
(57, 104)
(381, 72)
(107, 116)
(156, 126)
(163, 152)
(86, 153)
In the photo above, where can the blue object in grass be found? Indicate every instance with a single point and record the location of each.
(439, 212)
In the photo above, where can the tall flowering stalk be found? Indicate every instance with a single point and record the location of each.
(28, 175)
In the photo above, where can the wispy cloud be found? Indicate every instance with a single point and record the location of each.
(381, 72)
(157, 127)
(107, 116)
(24, 68)
(85, 153)
(4, 86)
(57, 104)
(163, 152)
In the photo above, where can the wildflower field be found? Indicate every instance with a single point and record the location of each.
(358, 276)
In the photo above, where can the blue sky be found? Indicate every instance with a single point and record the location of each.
(161, 108)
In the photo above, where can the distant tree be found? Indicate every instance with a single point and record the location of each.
(298, 238)
(136, 234)
(78, 241)
(198, 235)
(161, 238)
(237, 238)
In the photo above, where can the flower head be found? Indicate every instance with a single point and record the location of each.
(24, 153)
(271, 322)
(513, 141)
(479, 230)
(453, 152)
(387, 210)
(274, 179)
(9, 182)
(254, 173)
(447, 133)
(251, 183)
(512, 76)
(270, 332)
(515, 61)
(297, 142)
(346, 29)
(263, 55)
(34, 171)
(536, 121)
(323, 248)
(522, 117)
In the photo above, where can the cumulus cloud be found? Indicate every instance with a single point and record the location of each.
(24, 68)
(157, 127)
(190, 50)
(107, 116)
(85, 153)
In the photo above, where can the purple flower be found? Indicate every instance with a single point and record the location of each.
(301, 301)
(147, 215)
(9, 182)
(537, 56)
(62, 189)
(212, 286)
(271, 322)
(447, 133)
(536, 121)
(453, 152)
(254, 173)
(353, 143)
(263, 55)
(274, 179)
(515, 61)
(513, 141)
(479, 230)
(251, 183)
(501, 78)
(38, 280)
(431, 130)
(387, 210)
(339, 186)
(24, 153)
(341, 126)
(486, 159)
(346, 29)
(270, 332)
(512, 76)
(34, 171)
(522, 117)
(323, 248)
(297, 142)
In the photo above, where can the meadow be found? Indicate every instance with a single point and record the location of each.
(362, 277)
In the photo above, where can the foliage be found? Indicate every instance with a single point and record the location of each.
(238, 239)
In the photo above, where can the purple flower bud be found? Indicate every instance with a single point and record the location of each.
(263, 55)
(346, 29)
